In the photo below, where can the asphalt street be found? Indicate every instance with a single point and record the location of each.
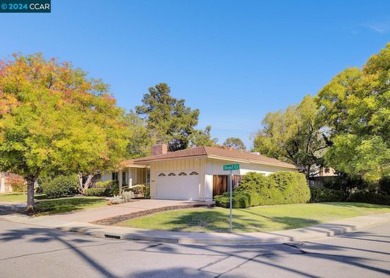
(33, 251)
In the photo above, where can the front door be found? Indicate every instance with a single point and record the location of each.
(220, 184)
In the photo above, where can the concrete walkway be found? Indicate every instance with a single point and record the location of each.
(80, 222)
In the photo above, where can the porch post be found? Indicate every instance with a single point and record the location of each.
(120, 182)
(131, 177)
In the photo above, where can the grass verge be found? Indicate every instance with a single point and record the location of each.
(255, 219)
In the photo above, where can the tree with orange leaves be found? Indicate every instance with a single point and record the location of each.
(54, 119)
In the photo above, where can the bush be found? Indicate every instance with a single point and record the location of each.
(127, 196)
(323, 194)
(141, 190)
(352, 189)
(147, 192)
(98, 192)
(116, 200)
(384, 184)
(348, 185)
(278, 188)
(60, 186)
(103, 188)
(371, 198)
(114, 190)
(104, 184)
(292, 187)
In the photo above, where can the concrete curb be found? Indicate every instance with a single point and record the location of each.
(225, 239)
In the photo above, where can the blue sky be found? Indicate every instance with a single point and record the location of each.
(235, 60)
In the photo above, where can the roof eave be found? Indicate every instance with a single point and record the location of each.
(251, 161)
(148, 161)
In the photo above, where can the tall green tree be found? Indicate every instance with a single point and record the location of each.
(53, 118)
(168, 119)
(235, 143)
(355, 105)
(140, 143)
(294, 135)
(203, 138)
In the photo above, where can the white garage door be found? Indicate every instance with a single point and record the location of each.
(178, 187)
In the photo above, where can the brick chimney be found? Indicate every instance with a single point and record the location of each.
(159, 149)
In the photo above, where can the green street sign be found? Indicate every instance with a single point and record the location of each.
(231, 167)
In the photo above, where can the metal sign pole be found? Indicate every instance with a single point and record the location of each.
(231, 167)
(231, 200)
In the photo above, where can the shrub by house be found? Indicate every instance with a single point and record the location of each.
(256, 189)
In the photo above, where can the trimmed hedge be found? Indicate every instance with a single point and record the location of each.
(347, 189)
(322, 194)
(60, 186)
(278, 188)
(384, 184)
(371, 198)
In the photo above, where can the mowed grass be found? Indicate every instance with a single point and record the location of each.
(55, 206)
(13, 197)
(255, 219)
(69, 204)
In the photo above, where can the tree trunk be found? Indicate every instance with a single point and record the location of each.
(88, 182)
(308, 172)
(30, 193)
(81, 183)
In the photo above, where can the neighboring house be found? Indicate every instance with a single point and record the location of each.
(321, 171)
(8, 181)
(327, 172)
(192, 174)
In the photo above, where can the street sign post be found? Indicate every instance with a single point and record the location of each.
(231, 167)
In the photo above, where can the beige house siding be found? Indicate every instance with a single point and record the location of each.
(206, 168)
(177, 166)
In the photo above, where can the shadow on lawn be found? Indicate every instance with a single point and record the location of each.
(65, 205)
(216, 221)
(53, 206)
(288, 222)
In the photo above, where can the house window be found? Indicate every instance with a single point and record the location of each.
(115, 176)
(182, 174)
(171, 174)
(161, 175)
(124, 180)
(194, 173)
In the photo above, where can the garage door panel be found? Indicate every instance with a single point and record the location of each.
(178, 187)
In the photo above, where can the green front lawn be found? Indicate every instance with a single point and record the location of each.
(63, 205)
(255, 219)
(13, 197)
(54, 206)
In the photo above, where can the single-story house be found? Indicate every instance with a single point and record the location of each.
(192, 174)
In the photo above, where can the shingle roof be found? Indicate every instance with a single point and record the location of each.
(131, 163)
(217, 153)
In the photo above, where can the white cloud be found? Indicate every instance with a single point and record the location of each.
(378, 27)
